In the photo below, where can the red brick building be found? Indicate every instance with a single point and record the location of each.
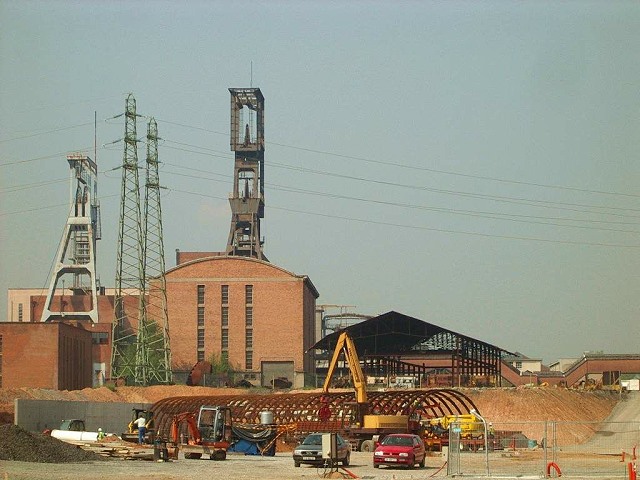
(258, 315)
(45, 355)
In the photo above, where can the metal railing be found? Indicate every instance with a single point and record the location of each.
(545, 449)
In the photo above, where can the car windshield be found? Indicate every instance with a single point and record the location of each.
(313, 440)
(391, 440)
(316, 439)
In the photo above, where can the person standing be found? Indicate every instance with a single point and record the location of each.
(141, 423)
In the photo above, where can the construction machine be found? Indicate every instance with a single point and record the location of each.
(207, 433)
(367, 427)
(131, 435)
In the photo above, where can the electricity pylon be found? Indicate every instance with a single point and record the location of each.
(154, 351)
(129, 289)
(140, 340)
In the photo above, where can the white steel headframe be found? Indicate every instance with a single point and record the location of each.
(76, 254)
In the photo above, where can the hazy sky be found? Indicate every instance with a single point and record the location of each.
(471, 164)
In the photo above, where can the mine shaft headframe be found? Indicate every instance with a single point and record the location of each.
(247, 199)
(247, 136)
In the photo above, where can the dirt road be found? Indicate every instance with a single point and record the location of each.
(237, 466)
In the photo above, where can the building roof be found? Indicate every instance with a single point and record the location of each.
(393, 333)
(235, 258)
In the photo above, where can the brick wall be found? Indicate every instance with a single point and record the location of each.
(283, 312)
(282, 328)
(45, 355)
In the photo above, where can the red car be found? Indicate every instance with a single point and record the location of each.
(400, 449)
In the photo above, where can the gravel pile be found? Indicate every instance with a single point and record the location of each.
(18, 444)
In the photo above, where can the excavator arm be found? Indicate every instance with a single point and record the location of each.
(189, 418)
(345, 343)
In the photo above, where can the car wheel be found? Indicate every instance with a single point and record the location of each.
(296, 464)
(422, 461)
(367, 446)
(345, 462)
(375, 465)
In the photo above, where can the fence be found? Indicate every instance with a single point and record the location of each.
(541, 449)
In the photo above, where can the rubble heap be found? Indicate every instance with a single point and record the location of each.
(20, 445)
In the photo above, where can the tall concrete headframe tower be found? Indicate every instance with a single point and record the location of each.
(76, 255)
(247, 200)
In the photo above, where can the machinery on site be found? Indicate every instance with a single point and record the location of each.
(207, 433)
(366, 427)
(369, 418)
(470, 425)
(436, 431)
(131, 435)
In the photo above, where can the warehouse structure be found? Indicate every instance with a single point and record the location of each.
(394, 346)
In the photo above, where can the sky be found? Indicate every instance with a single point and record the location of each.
(471, 164)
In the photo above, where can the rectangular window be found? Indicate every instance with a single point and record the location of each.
(200, 294)
(248, 338)
(201, 316)
(248, 294)
(248, 312)
(224, 293)
(225, 339)
(99, 338)
(248, 360)
(200, 338)
(225, 317)
(19, 312)
(201, 355)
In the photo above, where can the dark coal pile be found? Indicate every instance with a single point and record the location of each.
(18, 444)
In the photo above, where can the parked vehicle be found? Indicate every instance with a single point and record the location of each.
(310, 451)
(400, 449)
(74, 425)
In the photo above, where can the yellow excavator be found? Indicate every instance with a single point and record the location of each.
(366, 426)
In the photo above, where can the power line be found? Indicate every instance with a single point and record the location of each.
(47, 207)
(528, 219)
(433, 229)
(422, 168)
(60, 129)
(28, 160)
(499, 198)
(27, 186)
(573, 207)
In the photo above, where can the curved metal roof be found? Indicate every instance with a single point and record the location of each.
(393, 333)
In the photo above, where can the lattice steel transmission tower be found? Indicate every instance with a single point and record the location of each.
(154, 362)
(130, 279)
(247, 200)
(76, 255)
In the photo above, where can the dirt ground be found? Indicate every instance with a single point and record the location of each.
(498, 405)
